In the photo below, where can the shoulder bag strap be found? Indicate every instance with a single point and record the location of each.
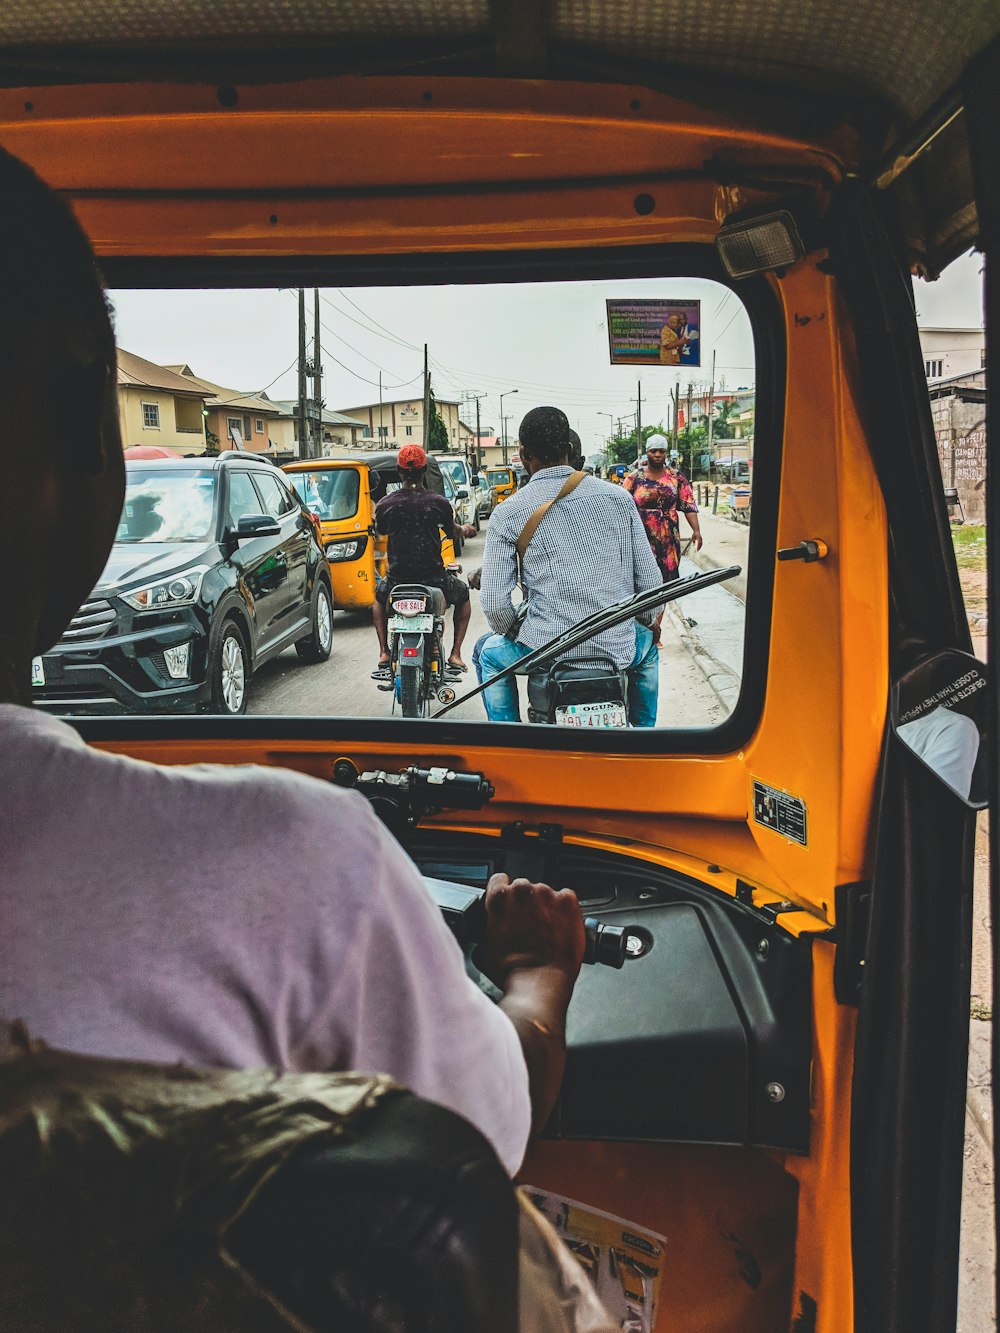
(531, 527)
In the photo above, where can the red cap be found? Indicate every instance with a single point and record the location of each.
(411, 458)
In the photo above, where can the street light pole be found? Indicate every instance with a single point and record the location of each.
(503, 421)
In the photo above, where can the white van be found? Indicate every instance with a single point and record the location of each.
(476, 502)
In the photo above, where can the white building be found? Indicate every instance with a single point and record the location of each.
(948, 352)
(390, 425)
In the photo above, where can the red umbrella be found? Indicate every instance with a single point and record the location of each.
(148, 451)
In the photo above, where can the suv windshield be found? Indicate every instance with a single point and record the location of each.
(168, 507)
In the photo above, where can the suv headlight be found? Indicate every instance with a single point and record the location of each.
(349, 550)
(177, 590)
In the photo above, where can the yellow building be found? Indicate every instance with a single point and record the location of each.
(159, 407)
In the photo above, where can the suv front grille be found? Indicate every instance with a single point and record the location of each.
(91, 621)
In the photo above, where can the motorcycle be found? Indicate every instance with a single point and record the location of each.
(587, 694)
(416, 648)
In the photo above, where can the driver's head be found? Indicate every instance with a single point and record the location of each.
(544, 435)
(61, 465)
(411, 464)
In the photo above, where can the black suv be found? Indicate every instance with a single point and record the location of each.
(215, 568)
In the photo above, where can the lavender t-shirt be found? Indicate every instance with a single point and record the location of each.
(237, 917)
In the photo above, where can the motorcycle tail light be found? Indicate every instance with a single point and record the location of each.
(411, 652)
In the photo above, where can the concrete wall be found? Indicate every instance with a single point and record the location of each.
(960, 428)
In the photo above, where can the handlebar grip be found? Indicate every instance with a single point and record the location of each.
(464, 912)
(605, 944)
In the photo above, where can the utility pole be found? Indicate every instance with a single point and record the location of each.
(427, 403)
(381, 423)
(476, 460)
(687, 430)
(303, 429)
(677, 402)
(638, 420)
(317, 382)
(711, 414)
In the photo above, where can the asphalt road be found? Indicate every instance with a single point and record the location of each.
(343, 686)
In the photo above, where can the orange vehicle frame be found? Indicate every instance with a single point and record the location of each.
(169, 172)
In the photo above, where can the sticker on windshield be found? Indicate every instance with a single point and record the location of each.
(778, 810)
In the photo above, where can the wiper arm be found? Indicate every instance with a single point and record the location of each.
(597, 623)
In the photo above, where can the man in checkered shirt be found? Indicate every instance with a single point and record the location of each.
(588, 552)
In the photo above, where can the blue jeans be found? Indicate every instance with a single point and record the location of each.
(493, 653)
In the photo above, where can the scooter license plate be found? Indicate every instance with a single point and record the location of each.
(411, 624)
(591, 715)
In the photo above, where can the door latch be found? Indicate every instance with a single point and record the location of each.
(809, 550)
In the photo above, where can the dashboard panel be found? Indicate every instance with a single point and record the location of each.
(703, 1036)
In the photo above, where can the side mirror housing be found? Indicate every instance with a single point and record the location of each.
(256, 525)
(461, 493)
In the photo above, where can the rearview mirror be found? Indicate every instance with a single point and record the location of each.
(256, 525)
(461, 494)
(939, 710)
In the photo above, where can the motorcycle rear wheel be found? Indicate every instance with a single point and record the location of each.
(411, 690)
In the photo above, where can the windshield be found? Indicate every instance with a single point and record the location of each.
(455, 469)
(168, 507)
(639, 367)
(329, 493)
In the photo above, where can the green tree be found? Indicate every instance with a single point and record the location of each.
(437, 436)
(723, 428)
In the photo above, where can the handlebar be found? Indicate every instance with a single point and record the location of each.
(464, 910)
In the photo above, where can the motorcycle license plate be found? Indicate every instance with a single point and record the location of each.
(591, 715)
(411, 624)
(410, 605)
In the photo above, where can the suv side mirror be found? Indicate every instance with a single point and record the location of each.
(256, 525)
(461, 493)
(476, 479)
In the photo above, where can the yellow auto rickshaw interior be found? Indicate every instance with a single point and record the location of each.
(708, 1084)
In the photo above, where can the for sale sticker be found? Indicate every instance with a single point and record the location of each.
(779, 810)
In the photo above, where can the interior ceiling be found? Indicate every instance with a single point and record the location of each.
(880, 65)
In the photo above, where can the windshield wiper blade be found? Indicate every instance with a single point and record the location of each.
(597, 623)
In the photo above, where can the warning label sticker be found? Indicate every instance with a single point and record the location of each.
(778, 811)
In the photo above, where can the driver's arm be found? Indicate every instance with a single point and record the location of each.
(533, 951)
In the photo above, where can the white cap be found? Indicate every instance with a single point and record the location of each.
(656, 442)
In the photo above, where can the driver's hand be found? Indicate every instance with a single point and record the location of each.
(530, 926)
(476, 577)
(468, 530)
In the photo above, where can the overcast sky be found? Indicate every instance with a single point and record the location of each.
(547, 341)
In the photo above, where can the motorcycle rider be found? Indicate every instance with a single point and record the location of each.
(411, 518)
(589, 552)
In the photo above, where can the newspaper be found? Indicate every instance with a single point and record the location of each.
(624, 1261)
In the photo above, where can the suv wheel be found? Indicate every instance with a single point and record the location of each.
(318, 644)
(230, 673)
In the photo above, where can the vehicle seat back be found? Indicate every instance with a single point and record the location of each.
(159, 1198)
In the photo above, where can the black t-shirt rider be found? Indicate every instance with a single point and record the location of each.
(412, 518)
